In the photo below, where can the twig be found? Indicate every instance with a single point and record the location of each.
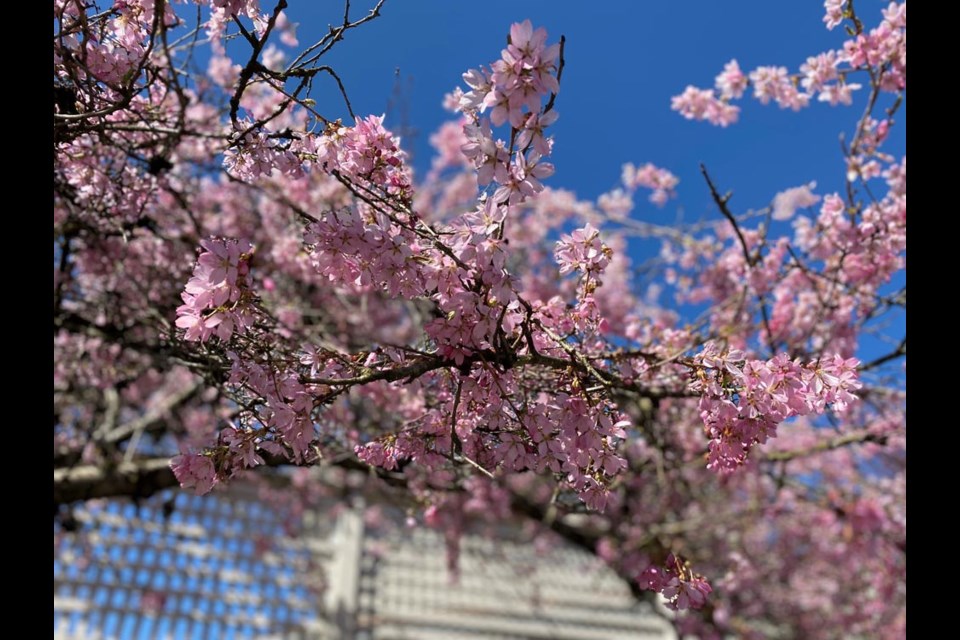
(901, 350)
(751, 260)
(827, 445)
(553, 96)
(246, 74)
(725, 210)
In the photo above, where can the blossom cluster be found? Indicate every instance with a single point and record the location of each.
(743, 400)
(865, 252)
(366, 152)
(659, 180)
(514, 85)
(368, 250)
(567, 437)
(703, 104)
(682, 588)
(195, 471)
(512, 89)
(583, 251)
(254, 155)
(786, 203)
(822, 75)
(217, 300)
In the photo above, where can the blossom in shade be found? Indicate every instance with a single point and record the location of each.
(195, 471)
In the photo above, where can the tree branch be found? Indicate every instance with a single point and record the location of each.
(827, 445)
(751, 260)
(901, 350)
(151, 420)
(246, 74)
(139, 478)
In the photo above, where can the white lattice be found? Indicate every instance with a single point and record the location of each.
(222, 567)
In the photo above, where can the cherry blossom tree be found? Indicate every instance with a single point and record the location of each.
(243, 284)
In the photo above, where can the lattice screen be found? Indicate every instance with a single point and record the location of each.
(222, 567)
(506, 591)
(214, 567)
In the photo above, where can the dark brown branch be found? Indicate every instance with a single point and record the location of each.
(752, 260)
(246, 74)
(900, 351)
(553, 96)
(140, 478)
(335, 35)
(414, 370)
(722, 201)
(309, 74)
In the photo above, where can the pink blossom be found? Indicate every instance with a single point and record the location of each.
(774, 83)
(195, 471)
(732, 82)
(525, 173)
(532, 132)
(661, 181)
(742, 405)
(480, 84)
(682, 588)
(788, 201)
(617, 204)
(839, 93)
(702, 104)
(217, 298)
(489, 157)
(582, 251)
(895, 15)
(834, 12)
(819, 70)
(287, 29)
